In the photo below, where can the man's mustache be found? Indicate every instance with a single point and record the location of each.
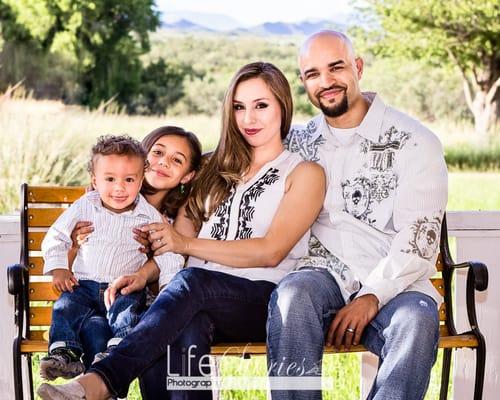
(333, 87)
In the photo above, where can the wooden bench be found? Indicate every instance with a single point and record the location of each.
(34, 294)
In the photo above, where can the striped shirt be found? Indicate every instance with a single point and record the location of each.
(110, 250)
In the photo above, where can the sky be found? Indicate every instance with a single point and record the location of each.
(254, 12)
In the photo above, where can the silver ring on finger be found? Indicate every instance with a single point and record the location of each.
(350, 330)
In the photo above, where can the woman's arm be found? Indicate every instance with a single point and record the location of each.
(300, 206)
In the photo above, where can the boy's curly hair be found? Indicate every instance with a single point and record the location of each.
(122, 145)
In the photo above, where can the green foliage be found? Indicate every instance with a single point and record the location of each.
(162, 85)
(102, 38)
(463, 29)
(464, 33)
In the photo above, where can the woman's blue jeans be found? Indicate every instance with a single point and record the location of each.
(195, 307)
(404, 334)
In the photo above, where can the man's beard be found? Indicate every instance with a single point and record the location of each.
(335, 110)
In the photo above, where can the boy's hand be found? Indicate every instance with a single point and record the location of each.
(63, 280)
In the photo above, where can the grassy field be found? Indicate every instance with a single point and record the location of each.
(47, 142)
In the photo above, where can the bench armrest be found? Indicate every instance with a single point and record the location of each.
(15, 279)
(477, 279)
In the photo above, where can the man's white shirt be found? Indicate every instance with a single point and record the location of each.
(379, 229)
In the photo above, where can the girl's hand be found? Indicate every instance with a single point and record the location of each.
(63, 280)
(80, 233)
(163, 237)
(142, 238)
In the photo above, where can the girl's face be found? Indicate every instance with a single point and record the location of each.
(257, 112)
(169, 163)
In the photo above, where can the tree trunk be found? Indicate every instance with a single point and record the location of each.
(485, 113)
(485, 105)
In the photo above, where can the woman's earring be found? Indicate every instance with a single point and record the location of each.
(182, 188)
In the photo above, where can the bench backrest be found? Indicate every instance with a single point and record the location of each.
(41, 205)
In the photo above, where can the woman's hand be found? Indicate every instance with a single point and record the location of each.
(63, 280)
(124, 284)
(80, 233)
(163, 237)
(142, 238)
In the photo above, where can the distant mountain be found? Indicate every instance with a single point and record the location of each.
(193, 22)
(212, 22)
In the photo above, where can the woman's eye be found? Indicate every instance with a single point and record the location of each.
(262, 105)
(156, 152)
(238, 107)
(178, 161)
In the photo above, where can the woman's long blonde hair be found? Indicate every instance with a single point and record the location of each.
(232, 157)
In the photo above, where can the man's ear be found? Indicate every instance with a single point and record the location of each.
(188, 177)
(359, 67)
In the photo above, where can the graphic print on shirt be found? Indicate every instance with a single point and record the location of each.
(377, 181)
(223, 211)
(247, 203)
(320, 257)
(425, 238)
(383, 153)
(357, 197)
(300, 141)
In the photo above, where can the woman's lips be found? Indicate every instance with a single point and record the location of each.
(251, 132)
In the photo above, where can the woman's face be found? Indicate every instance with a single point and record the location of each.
(169, 163)
(257, 112)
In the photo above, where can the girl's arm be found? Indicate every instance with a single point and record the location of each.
(300, 206)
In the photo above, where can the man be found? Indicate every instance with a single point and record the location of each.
(375, 242)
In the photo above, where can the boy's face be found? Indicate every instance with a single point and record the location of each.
(118, 180)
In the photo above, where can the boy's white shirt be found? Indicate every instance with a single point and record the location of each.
(110, 250)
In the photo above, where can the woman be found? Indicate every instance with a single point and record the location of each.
(246, 197)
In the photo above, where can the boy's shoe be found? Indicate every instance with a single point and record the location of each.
(102, 355)
(61, 362)
(69, 391)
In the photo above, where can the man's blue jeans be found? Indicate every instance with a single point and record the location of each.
(196, 306)
(404, 334)
(79, 318)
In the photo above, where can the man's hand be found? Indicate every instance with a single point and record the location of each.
(63, 280)
(124, 284)
(349, 323)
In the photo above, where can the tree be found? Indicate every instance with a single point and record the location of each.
(104, 38)
(465, 33)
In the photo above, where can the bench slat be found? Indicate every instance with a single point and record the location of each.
(35, 240)
(238, 349)
(43, 217)
(40, 316)
(42, 291)
(439, 285)
(54, 194)
(35, 266)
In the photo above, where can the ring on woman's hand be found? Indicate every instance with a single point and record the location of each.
(350, 330)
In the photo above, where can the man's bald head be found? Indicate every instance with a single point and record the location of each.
(327, 38)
